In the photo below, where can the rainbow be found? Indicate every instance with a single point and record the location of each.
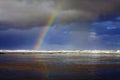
(48, 24)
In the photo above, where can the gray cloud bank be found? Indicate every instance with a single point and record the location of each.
(28, 13)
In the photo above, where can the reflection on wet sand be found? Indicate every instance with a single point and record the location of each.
(59, 67)
(40, 66)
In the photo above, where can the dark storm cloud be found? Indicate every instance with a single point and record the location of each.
(18, 39)
(29, 13)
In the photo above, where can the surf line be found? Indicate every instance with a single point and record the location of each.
(49, 22)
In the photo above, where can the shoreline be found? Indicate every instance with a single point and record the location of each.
(60, 52)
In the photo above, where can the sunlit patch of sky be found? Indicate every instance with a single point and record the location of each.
(108, 33)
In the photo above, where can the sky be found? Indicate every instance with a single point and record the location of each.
(79, 24)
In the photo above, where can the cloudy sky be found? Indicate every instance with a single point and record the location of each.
(80, 24)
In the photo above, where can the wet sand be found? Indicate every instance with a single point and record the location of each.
(59, 67)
